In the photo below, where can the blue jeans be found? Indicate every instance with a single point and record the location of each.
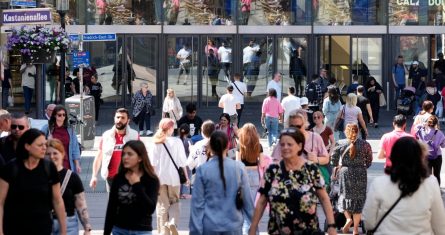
(5, 94)
(27, 93)
(272, 129)
(254, 181)
(72, 226)
(399, 90)
(120, 231)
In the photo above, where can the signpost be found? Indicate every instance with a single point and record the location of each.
(81, 58)
(27, 16)
(98, 37)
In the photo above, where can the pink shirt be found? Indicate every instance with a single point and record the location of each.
(272, 107)
(388, 140)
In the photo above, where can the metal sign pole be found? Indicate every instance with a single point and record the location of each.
(80, 74)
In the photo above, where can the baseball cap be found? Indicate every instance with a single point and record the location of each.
(416, 62)
(304, 101)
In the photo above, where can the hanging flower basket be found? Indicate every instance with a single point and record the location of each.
(37, 44)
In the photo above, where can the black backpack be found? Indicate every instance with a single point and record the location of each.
(311, 92)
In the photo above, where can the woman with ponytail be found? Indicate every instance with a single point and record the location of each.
(166, 150)
(352, 156)
(213, 208)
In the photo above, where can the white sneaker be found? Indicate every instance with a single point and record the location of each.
(172, 227)
(148, 133)
(141, 133)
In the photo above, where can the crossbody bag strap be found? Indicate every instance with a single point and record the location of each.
(65, 181)
(238, 88)
(384, 216)
(174, 163)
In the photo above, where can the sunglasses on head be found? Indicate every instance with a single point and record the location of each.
(291, 129)
(21, 127)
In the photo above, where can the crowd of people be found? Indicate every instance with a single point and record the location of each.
(321, 157)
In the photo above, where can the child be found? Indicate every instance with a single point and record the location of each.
(96, 91)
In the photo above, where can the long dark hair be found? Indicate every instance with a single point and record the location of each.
(333, 94)
(144, 165)
(218, 143)
(52, 119)
(27, 138)
(408, 168)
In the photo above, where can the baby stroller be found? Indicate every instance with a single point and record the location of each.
(406, 100)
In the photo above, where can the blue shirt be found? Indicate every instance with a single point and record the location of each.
(399, 72)
(212, 209)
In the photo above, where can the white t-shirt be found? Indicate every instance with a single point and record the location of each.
(242, 87)
(351, 114)
(183, 54)
(229, 101)
(27, 80)
(275, 85)
(248, 53)
(290, 103)
(225, 54)
(198, 154)
(163, 165)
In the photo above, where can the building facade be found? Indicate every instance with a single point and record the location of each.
(174, 43)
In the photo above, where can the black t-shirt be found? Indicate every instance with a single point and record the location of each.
(68, 91)
(28, 203)
(197, 122)
(95, 89)
(76, 82)
(361, 103)
(73, 187)
(7, 148)
(131, 206)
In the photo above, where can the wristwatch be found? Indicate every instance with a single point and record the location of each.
(332, 226)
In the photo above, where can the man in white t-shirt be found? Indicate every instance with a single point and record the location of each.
(229, 103)
(275, 84)
(29, 75)
(225, 58)
(239, 92)
(248, 53)
(184, 56)
(289, 103)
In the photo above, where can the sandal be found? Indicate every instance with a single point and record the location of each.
(347, 226)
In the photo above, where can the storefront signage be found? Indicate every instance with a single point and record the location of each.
(23, 3)
(27, 16)
(98, 37)
(417, 2)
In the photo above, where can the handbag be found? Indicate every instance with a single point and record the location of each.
(181, 173)
(239, 192)
(382, 100)
(340, 122)
(372, 231)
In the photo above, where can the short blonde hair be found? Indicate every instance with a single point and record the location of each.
(172, 91)
(351, 99)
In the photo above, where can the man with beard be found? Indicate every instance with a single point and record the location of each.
(19, 124)
(110, 148)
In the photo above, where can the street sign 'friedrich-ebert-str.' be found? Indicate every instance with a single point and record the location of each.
(27, 16)
(97, 37)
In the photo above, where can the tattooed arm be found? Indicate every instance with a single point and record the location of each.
(82, 211)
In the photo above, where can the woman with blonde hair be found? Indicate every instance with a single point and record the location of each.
(351, 114)
(72, 193)
(352, 156)
(172, 107)
(167, 153)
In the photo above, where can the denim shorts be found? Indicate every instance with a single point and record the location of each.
(72, 226)
(120, 231)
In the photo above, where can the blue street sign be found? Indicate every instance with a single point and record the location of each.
(97, 37)
(74, 37)
(81, 58)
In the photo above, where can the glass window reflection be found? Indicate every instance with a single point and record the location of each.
(415, 13)
(349, 12)
(197, 12)
(275, 12)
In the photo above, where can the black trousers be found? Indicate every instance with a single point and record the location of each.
(239, 112)
(435, 166)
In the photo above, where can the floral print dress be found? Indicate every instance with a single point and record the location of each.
(293, 199)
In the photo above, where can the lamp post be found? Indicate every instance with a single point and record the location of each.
(62, 8)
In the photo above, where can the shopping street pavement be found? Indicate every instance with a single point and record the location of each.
(97, 199)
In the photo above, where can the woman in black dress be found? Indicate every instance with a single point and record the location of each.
(373, 91)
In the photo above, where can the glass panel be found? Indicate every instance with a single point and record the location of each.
(429, 12)
(217, 66)
(340, 59)
(197, 12)
(413, 48)
(270, 12)
(345, 12)
(142, 62)
(76, 12)
(52, 72)
(122, 12)
(183, 73)
(367, 59)
(292, 63)
(257, 66)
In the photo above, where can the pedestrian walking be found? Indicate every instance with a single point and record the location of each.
(171, 108)
(230, 104)
(134, 193)
(373, 92)
(271, 114)
(289, 103)
(331, 108)
(239, 92)
(143, 109)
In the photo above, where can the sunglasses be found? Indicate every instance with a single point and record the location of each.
(61, 115)
(293, 127)
(21, 127)
(317, 117)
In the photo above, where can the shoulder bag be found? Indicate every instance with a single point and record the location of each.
(340, 121)
(372, 231)
(65, 181)
(181, 173)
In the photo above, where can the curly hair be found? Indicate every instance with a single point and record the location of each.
(408, 169)
(351, 131)
(249, 143)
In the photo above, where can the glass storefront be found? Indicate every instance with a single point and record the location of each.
(347, 12)
(421, 12)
